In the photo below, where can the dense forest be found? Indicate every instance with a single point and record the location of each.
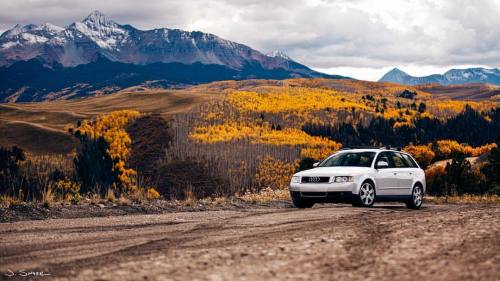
(469, 126)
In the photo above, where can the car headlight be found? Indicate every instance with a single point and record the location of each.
(343, 179)
(295, 179)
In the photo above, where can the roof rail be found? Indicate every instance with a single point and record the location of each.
(397, 148)
(362, 147)
(388, 147)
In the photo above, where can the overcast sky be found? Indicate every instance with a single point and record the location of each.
(359, 38)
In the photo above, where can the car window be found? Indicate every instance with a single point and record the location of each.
(410, 161)
(398, 160)
(349, 159)
(385, 156)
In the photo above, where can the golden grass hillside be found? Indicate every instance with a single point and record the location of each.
(42, 128)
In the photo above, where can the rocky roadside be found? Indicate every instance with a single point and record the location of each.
(23, 211)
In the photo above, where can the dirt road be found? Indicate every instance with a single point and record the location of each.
(330, 242)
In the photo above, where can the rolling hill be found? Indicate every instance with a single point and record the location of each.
(474, 91)
(42, 128)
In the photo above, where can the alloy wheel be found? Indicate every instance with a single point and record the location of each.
(367, 194)
(417, 196)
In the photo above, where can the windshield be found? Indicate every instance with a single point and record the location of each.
(349, 159)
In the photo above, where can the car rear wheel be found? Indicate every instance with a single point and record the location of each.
(302, 203)
(417, 198)
(366, 196)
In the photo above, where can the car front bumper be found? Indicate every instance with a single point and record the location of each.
(324, 197)
(324, 187)
(324, 192)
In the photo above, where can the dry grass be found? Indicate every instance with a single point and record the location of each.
(466, 91)
(21, 124)
(7, 201)
(110, 196)
(138, 195)
(152, 194)
(265, 196)
(35, 139)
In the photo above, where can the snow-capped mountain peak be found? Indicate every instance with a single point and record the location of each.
(14, 31)
(106, 33)
(478, 74)
(52, 28)
(452, 76)
(40, 30)
(28, 35)
(278, 54)
(97, 18)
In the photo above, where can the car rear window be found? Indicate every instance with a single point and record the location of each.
(398, 160)
(411, 162)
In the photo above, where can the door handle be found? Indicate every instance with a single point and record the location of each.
(411, 173)
(395, 174)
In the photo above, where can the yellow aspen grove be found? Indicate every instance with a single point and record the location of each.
(111, 127)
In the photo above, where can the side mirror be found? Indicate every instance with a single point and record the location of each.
(315, 164)
(382, 164)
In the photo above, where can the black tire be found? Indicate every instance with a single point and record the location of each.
(302, 203)
(366, 196)
(417, 198)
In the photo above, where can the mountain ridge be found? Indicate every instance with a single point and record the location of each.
(451, 77)
(98, 43)
(124, 43)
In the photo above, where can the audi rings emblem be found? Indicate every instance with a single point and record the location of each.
(314, 179)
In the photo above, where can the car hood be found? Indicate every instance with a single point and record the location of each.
(334, 171)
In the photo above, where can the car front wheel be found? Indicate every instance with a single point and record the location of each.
(302, 203)
(366, 196)
(417, 198)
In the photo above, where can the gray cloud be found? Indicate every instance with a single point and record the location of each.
(320, 33)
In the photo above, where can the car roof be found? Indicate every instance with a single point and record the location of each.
(369, 150)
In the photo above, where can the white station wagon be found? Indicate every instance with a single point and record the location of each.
(362, 177)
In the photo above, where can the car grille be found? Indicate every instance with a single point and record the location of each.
(315, 179)
(313, 194)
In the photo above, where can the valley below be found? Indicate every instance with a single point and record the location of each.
(328, 242)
